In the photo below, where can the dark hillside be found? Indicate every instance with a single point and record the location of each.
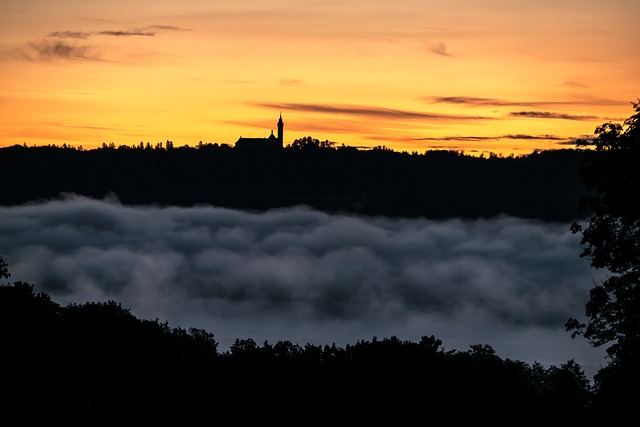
(436, 184)
(96, 362)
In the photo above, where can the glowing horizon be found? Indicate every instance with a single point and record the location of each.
(507, 77)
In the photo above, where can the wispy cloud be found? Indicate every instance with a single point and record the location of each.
(494, 138)
(573, 83)
(534, 137)
(496, 102)
(47, 50)
(149, 31)
(574, 141)
(375, 112)
(126, 33)
(473, 101)
(549, 115)
(66, 45)
(489, 102)
(70, 34)
(440, 49)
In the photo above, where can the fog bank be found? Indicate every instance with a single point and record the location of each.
(310, 277)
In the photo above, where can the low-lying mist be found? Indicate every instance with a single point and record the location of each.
(306, 276)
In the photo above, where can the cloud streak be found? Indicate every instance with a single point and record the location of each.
(64, 45)
(51, 50)
(473, 101)
(440, 49)
(307, 276)
(549, 115)
(495, 138)
(368, 111)
(48, 50)
(144, 32)
(495, 102)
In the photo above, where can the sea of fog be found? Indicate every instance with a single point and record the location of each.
(305, 276)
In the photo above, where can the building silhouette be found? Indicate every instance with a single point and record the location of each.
(271, 142)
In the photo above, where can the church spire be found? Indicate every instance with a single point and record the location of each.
(280, 131)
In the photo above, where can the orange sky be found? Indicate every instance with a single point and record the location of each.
(502, 76)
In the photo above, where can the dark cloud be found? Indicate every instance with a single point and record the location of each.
(549, 115)
(126, 33)
(375, 112)
(440, 49)
(494, 138)
(149, 31)
(495, 102)
(574, 141)
(533, 137)
(164, 28)
(70, 34)
(311, 277)
(47, 50)
(492, 102)
(473, 101)
(57, 44)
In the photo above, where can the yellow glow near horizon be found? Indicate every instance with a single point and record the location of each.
(496, 76)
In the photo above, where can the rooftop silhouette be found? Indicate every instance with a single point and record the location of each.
(270, 142)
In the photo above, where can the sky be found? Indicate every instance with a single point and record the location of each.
(479, 76)
(305, 276)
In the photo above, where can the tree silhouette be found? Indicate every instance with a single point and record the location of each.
(4, 269)
(309, 143)
(611, 240)
(436, 184)
(102, 361)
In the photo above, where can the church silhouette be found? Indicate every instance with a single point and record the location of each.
(271, 142)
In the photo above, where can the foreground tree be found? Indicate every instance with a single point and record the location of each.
(4, 269)
(108, 365)
(611, 240)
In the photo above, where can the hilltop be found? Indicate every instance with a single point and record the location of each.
(544, 185)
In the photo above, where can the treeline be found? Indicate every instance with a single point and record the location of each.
(98, 363)
(436, 184)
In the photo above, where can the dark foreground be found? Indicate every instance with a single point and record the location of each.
(96, 363)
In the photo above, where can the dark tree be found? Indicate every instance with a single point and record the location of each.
(4, 269)
(308, 142)
(104, 363)
(611, 240)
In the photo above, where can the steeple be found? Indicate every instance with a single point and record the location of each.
(280, 131)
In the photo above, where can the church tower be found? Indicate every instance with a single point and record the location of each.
(280, 131)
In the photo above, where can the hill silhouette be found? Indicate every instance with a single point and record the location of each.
(96, 362)
(437, 184)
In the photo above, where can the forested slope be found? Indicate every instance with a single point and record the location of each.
(94, 363)
(437, 184)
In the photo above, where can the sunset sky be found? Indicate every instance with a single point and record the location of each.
(502, 76)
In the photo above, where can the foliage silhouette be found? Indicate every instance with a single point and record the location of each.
(610, 239)
(97, 361)
(437, 184)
